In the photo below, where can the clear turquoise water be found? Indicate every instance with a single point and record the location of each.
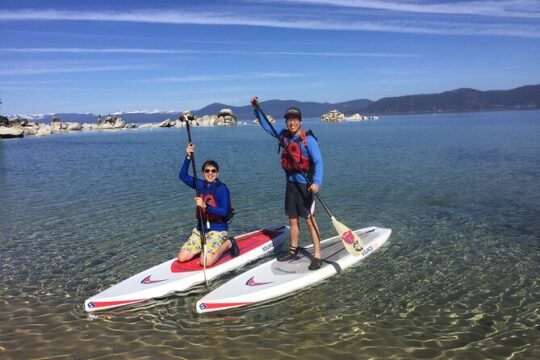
(459, 277)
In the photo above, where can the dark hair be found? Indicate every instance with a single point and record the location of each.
(211, 163)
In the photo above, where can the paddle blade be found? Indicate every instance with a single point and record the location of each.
(352, 242)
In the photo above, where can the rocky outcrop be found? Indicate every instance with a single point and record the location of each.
(358, 117)
(18, 127)
(270, 118)
(9, 132)
(167, 123)
(332, 116)
(336, 116)
(111, 122)
(225, 117)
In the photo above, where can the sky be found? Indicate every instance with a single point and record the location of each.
(109, 56)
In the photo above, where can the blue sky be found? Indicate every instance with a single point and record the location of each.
(107, 56)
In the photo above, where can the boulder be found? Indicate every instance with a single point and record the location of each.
(18, 122)
(119, 123)
(30, 130)
(73, 126)
(228, 117)
(44, 131)
(165, 123)
(148, 126)
(56, 126)
(333, 115)
(7, 132)
(106, 126)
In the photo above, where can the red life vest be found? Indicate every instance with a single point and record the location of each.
(209, 200)
(293, 145)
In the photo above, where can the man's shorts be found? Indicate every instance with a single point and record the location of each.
(299, 201)
(214, 239)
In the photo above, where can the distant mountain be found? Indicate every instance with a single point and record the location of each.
(277, 108)
(130, 117)
(525, 97)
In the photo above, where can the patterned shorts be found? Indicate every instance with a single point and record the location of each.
(214, 239)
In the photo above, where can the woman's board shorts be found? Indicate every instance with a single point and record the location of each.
(299, 201)
(214, 239)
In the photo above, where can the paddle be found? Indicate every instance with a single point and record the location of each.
(352, 242)
(187, 120)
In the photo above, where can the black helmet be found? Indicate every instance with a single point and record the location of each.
(293, 112)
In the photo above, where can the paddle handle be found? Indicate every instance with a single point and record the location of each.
(296, 165)
(196, 181)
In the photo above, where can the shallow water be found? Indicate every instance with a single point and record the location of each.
(459, 277)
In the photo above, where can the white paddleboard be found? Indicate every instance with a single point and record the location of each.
(275, 279)
(173, 276)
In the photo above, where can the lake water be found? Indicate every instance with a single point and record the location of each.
(459, 277)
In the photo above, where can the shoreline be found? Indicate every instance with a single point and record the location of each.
(31, 128)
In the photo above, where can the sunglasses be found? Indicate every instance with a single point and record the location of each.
(206, 171)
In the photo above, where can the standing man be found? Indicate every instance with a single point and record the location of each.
(299, 199)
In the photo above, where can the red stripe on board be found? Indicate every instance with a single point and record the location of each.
(245, 243)
(98, 304)
(222, 305)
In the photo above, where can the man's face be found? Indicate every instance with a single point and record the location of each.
(293, 123)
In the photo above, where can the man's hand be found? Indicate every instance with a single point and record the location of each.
(255, 101)
(314, 188)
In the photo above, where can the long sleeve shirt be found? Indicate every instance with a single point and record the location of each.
(312, 151)
(221, 197)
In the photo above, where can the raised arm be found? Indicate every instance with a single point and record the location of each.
(265, 126)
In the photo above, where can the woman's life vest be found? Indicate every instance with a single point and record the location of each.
(293, 145)
(209, 200)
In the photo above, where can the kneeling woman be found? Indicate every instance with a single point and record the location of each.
(214, 201)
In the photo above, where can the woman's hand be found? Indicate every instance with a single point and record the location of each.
(200, 203)
(190, 149)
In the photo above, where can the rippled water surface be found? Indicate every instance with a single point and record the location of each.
(459, 277)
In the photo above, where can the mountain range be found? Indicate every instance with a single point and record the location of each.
(459, 100)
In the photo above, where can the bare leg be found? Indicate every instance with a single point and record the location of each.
(294, 231)
(212, 258)
(315, 236)
(184, 255)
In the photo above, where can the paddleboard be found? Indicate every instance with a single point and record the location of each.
(275, 279)
(173, 276)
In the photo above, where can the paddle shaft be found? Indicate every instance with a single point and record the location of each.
(196, 181)
(296, 165)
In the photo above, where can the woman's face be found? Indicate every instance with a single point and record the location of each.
(210, 173)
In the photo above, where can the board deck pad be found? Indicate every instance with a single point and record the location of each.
(245, 243)
(331, 252)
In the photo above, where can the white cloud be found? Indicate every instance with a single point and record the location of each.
(187, 51)
(293, 20)
(36, 70)
(222, 77)
(99, 51)
(500, 8)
